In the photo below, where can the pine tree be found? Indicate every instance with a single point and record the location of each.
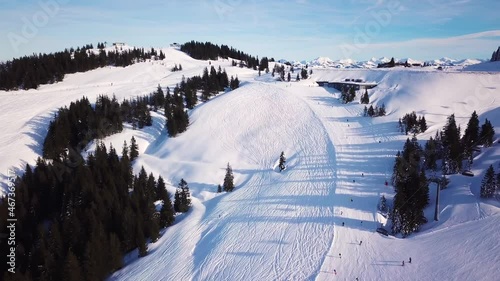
(166, 212)
(381, 110)
(422, 124)
(430, 154)
(392, 63)
(182, 200)
(134, 149)
(411, 188)
(382, 205)
(228, 184)
(471, 135)
(234, 83)
(219, 188)
(141, 241)
(297, 78)
(72, 270)
(115, 258)
(303, 73)
(365, 99)
(487, 133)
(498, 182)
(282, 161)
(289, 77)
(351, 95)
(452, 146)
(488, 184)
(371, 111)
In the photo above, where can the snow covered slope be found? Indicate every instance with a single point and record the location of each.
(288, 225)
(25, 115)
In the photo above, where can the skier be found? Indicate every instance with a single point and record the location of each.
(340, 255)
(403, 264)
(362, 174)
(360, 243)
(409, 260)
(342, 223)
(351, 199)
(335, 271)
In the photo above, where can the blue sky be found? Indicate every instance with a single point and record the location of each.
(291, 29)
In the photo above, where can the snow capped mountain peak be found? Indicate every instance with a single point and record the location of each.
(326, 62)
(322, 60)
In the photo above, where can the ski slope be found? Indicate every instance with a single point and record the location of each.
(288, 225)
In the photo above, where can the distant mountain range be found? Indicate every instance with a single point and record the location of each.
(325, 62)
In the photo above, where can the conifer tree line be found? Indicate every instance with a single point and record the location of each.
(74, 127)
(75, 222)
(456, 151)
(389, 64)
(176, 68)
(280, 69)
(374, 111)
(80, 216)
(184, 96)
(409, 174)
(29, 72)
(347, 95)
(209, 51)
(413, 124)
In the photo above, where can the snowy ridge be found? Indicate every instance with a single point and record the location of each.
(325, 62)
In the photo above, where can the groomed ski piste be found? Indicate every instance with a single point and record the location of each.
(288, 225)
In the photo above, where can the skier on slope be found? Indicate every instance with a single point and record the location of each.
(340, 255)
(403, 263)
(409, 260)
(360, 243)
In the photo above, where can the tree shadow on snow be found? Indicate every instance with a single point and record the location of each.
(37, 128)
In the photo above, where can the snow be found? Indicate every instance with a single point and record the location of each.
(485, 66)
(325, 62)
(288, 225)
